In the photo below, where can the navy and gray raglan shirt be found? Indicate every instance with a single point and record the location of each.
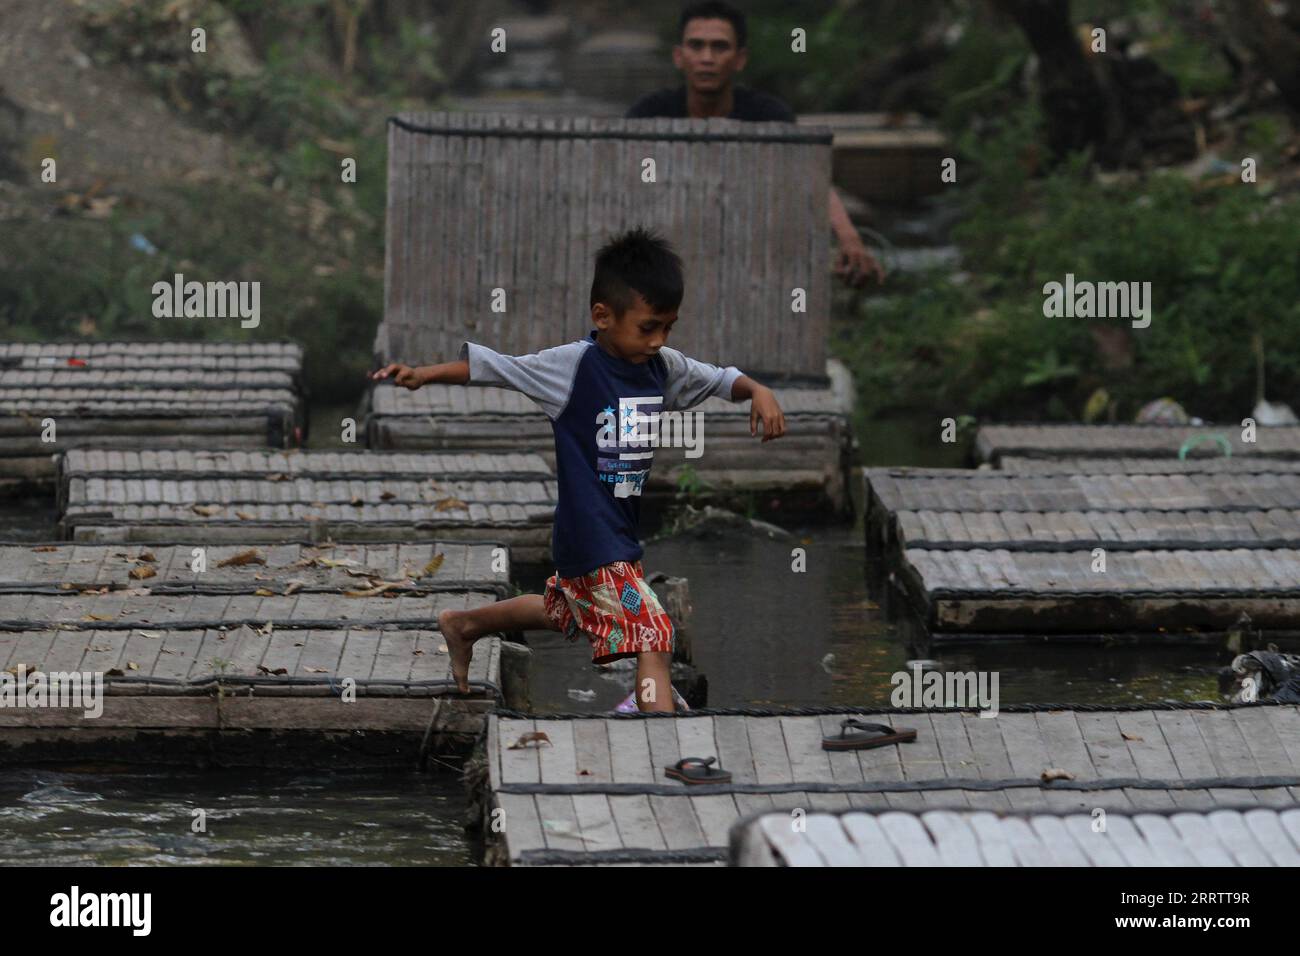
(604, 412)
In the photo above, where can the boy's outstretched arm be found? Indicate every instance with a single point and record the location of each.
(448, 373)
(762, 405)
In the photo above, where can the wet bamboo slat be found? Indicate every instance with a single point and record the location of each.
(1151, 771)
(993, 442)
(60, 396)
(1258, 837)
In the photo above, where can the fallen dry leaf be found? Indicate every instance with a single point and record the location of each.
(1056, 773)
(276, 476)
(46, 547)
(434, 564)
(97, 617)
(387, 496)
(142, 572)
(150, 633)
(206, 511)
(370, 592)
(357, 501)
(244, 515)
(317, 670)
(292, 587)
(243, 557)
(132, 666)
(272, 673)
(1130, 736)
(338, 562)
(146, 556)
(264, 592)
(447, 504)
(535, 736)
(134, 592)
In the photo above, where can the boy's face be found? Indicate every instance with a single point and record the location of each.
(708, 56)
(637, 336)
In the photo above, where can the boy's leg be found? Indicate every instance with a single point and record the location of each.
(461, 629)
(654, 682)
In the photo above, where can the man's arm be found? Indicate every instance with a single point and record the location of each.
(855, 263)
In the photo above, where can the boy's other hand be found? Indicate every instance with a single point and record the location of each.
(764, 406)
(401, 375)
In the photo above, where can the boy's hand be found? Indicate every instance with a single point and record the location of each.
(763, 405)
(403, 375)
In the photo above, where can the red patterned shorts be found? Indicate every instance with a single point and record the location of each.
(614, 607)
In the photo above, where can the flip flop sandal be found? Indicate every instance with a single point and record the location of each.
(878, 735)
(697, 770)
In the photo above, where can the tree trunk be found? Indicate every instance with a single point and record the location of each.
(1078, 112)
(1273, 41)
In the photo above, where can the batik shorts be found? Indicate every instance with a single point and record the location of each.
(614, 607)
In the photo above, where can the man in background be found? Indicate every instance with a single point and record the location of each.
(711, 52)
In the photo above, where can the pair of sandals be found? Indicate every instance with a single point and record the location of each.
(864, 736)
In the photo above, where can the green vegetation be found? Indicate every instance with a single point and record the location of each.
(1219, 254)
(297, 87)
(281, 216)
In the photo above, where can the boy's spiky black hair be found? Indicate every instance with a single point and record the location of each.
(716, 10)
(638, 262)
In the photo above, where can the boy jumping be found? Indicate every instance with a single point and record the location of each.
(603, 395)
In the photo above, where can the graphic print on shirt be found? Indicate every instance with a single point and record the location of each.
(625, 443)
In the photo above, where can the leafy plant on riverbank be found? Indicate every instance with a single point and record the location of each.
(1220, 256)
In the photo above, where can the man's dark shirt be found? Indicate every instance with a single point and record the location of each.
(746, 104)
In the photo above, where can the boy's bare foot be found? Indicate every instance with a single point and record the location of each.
(459, 645)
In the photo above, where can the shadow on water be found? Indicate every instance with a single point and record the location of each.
(95, 816)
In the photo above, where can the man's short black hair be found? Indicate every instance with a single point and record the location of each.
(716, 10)
(639, 262)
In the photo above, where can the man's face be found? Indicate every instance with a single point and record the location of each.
(708, 56)
(638, 335)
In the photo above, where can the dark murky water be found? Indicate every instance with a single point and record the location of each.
(97, 815)
(767, 636)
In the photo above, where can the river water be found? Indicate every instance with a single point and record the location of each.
(762, 634)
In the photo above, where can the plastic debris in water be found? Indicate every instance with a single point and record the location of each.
(1163, 411)
(141, 244)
